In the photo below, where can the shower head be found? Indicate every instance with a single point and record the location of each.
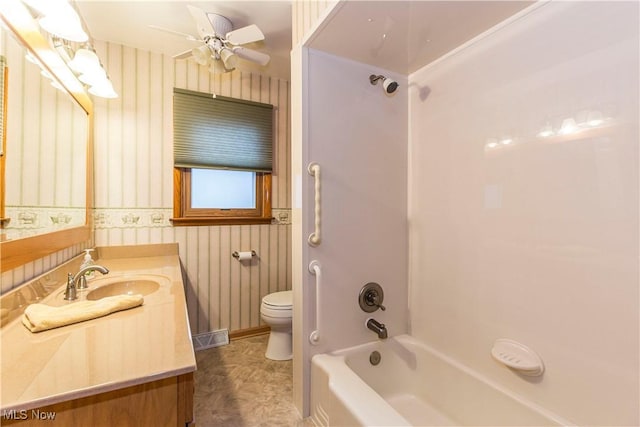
(389, 85)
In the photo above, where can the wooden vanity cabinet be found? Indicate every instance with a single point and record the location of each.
(166, 402)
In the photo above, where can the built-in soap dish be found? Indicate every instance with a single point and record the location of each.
(518, 357)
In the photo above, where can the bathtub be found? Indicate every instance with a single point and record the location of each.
(411, 385)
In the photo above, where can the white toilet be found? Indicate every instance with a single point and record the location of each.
(276, 311)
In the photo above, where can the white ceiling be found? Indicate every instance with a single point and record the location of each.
(127, 22)
(404, 36)
(400, 36)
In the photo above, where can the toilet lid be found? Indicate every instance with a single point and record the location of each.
(282, 300)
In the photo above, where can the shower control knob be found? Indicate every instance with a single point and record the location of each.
(371, 297)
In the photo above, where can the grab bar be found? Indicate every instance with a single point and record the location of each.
(314, 170)
(314, 268)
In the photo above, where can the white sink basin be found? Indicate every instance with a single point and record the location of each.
(125, 287)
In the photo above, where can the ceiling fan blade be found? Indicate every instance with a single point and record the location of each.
(177, 33)
(251, 55)
(183, 55)
(248, 34)
(202, 22)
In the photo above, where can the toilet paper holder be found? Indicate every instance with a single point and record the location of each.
(236, 254)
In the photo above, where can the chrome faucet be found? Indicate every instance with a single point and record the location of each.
(377, 327)
(79, 281)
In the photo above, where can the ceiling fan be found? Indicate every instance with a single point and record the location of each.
(220, 41)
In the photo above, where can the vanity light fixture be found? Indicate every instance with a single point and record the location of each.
(46, 74)
(57, 85)
(594, 118)
(103, 89)
(59, 18)
(491, 143)
(546, 131)
(85, 63)
(64, 25)
(29, 57)
(92, 78)
(84, 60)
(568, 127)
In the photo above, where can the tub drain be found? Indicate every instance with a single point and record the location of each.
(375, 358)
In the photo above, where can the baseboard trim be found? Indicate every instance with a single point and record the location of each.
(249, 332)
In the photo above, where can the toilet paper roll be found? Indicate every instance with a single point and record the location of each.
(243, 256)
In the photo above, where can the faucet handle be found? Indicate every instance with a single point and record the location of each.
(82, 282)
(70, 291)
(372, 298)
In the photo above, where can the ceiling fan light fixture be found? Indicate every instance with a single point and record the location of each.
(229, 59)
(201, 54)
(221, 41)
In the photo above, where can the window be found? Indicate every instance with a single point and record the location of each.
(222, 160)
(234, 189)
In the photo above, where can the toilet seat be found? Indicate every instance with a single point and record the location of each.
(276, 314)
(278, 300)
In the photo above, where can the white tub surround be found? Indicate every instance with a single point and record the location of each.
(128, 348)
(524, 226)
(411, 385)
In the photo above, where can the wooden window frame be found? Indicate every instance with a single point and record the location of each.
(184, 214)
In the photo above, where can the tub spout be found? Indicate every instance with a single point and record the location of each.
(377, 327)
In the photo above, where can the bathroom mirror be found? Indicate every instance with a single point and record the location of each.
(48, 147)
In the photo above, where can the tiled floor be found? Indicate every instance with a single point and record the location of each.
(236, 386)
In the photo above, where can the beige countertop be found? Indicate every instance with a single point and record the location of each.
(126, 348)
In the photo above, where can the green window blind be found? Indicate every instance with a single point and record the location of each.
(221, 132)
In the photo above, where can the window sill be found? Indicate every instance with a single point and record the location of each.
(218, 221)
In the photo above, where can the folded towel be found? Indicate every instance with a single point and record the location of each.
(40, 317)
